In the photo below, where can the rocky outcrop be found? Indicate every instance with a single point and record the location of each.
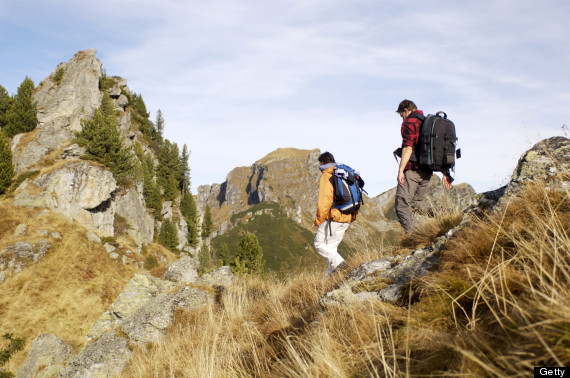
(151, 321)
(129, 204)
(15, 257)
(182, 270)
(221, 277)
(547, 161)
(61, 107)
(106, 357)
(287, 176)
(80, 190)
(138, 291)
(384, 279)
(46, 359)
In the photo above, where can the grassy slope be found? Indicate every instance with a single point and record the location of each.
(497, 306)
(66, 291)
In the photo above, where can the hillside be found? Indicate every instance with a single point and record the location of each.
(99, 259)
(289, 178)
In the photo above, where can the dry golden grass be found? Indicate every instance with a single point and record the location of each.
(66, 292)
(497, 306)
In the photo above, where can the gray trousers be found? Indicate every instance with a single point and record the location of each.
(412, 194)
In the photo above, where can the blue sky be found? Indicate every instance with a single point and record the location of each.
(238, 79)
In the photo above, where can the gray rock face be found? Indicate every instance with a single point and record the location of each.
(79, 190)
(150, 322)
(130, 205)
(106, 357)
(73, 152)
(61, 107)
(46, 357)
(548, 160)
(182, 270)
(220, 277)
(15, 257)
(138, 291)
(384, 279)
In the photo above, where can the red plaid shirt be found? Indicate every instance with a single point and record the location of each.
(410, 134)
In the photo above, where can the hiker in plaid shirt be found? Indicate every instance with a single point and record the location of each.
(413, 179)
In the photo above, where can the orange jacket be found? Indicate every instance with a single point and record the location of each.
(326, 199)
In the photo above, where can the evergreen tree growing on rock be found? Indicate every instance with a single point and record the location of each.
(204, 259)
(190, 213)
(6, 167)
(207, 223)
(168, 236)
(5, 104)
(21, 117)
(104, 142)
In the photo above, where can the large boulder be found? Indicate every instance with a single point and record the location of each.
(138, 291)
(106, 357)
(182, 270)
(61, 107)
(46, 358)
(548, 160)
(150, 322)
(80, 191)
(130, 205)
(220, 277)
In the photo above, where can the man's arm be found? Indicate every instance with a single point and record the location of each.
(406, 154)
(326, 199)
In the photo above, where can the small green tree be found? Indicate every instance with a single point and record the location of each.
(249, 256)
(6, 166)
(185, 170)
(207, 223)
(223, 254)
(22, 117)
(5, 104)
(168, 235)
(190, 214)
(204, 259)
(104, 142)
(159, 126)
(150, 189)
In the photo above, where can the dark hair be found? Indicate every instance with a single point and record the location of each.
(326, 158)
(406, 104)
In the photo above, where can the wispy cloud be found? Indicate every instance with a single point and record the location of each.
(237, 79)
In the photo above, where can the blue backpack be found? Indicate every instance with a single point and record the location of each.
(348, 188)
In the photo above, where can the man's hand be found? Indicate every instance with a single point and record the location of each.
(446, 182)
(401, 178)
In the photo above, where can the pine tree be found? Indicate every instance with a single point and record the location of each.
(159, 126)
(6, 167)
(249, 256)
(168, 235)
(150, 189)
(207, 223)
(167, 170)
(22, 117)
(204, 259)
(5, 104)
(224, 254)
(104, 142)
(185, 170)
(190, 214)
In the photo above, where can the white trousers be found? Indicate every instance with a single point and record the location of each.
(327, 245)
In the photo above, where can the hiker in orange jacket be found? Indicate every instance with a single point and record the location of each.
(331, 223)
